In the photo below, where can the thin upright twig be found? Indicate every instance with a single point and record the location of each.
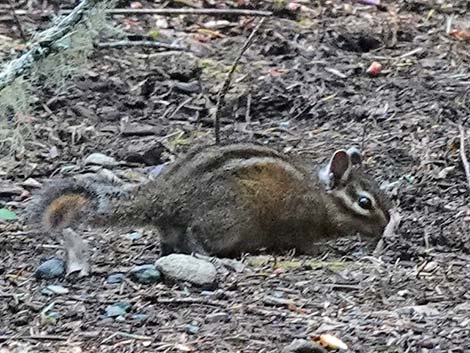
(17, 20)
(463, 156)
(228, 80)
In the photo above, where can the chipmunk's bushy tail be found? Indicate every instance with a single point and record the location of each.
(70, 202)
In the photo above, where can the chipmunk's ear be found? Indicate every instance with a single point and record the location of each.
(337, 170)
(355, 156)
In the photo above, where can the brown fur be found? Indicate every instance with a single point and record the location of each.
(266, 187)
(64, 211)
(230, 200)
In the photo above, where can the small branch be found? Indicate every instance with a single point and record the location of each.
(188, 301)
(212, 12)
(127, 335)
(463, 156)
(179, 107)
(139, 43)
(17, 20)
(43, 43)
(228, 80)
(35, 337)
(389, 231)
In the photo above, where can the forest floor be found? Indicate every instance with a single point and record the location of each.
(302, 87)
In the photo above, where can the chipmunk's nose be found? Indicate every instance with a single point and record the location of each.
(380, 223)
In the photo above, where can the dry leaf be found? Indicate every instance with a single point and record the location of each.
(461, 35)
(294, 308)
(184, 347)
(332, 342)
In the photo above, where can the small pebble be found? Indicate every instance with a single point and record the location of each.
(134, 236)
(218, 294)
(284, 124)
(374, 69)
(217, 317)
(54, 289)
(50, 269)
(118, 309)
(192, 328)
(145, 274)
(115, 278)
(156, 171)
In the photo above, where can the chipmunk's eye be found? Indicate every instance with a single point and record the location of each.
(365, 203)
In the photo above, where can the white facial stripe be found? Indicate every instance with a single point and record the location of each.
(382, 215)
(352, 204)
(260, 161)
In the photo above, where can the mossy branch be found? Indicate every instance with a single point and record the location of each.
(43, 44)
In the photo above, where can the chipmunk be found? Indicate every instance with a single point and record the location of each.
(229, 200)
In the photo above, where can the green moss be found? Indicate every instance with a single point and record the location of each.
(216, 70)
(261, 261)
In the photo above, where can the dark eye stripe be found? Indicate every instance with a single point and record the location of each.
(351, 191)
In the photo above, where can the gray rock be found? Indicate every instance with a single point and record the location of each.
(185, 268)
(145, 274)
(100, 159)
(50, 269)
(157, 170)
(133, 236)
(118, 309)
(115, 278)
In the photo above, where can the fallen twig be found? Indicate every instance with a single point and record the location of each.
(228, 80)
(389, 231)
(179, 107)
(138, 43)
(127, 335)
(202, 301)
(212, 12)
(463, 156)
(35, 337)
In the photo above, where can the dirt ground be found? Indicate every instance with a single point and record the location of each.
(302, 87)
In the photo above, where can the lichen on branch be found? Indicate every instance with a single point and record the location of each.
(52, 56)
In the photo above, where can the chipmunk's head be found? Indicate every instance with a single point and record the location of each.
(356, 202)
